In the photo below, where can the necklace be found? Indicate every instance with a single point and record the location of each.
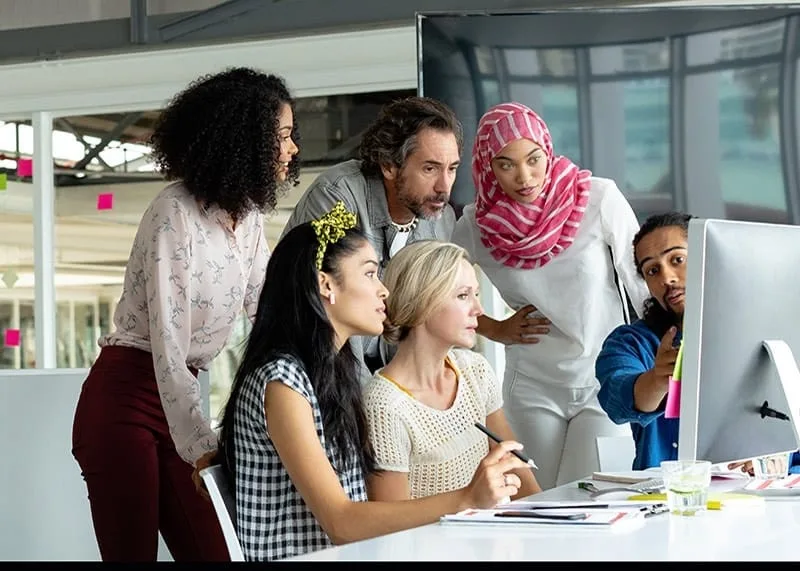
(407, 227)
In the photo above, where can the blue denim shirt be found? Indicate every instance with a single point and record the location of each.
(627, 352)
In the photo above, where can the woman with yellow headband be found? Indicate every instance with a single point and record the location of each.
(294, 437)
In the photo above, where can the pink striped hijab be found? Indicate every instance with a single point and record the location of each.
(525, 235)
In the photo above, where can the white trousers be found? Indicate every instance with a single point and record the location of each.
(558, 426)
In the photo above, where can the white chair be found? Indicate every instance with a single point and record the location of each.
(221, 492)
(615, 453)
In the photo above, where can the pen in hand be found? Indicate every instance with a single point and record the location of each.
(517, 453)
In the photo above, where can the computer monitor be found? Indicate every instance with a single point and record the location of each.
(741, 339)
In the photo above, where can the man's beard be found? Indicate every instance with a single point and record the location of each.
(416, 206)
(659, 318)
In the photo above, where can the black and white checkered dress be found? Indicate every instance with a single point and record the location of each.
(273, 521)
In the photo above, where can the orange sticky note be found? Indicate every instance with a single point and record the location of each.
(12, 337)
(24, 167)
(105, 201)
(3, 181)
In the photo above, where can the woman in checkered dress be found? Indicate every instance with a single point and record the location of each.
(294, 433)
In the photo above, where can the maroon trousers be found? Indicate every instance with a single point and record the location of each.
(137, 483)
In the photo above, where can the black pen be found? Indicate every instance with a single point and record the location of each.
(517, 453)
(651, 508)
(556, 516)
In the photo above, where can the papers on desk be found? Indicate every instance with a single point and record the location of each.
(788, 486)
(549, 513)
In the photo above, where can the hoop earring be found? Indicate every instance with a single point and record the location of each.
(332, 299)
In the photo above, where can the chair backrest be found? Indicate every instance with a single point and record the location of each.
(615, 453)
(222, 496)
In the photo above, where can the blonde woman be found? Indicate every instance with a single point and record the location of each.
(422, 407)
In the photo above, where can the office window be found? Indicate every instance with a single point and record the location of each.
(491, 92)
(735, 44)
(552, 62)
(749, 155)
(632, 58)
(646, 113)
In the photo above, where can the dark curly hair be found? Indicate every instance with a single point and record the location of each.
(220, 137)
(656, 317)
(392, 137)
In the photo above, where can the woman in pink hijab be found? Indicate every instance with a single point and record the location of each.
(552, 239)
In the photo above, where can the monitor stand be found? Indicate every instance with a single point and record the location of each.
(789, 375)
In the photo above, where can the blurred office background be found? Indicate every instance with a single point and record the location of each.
(692, 111)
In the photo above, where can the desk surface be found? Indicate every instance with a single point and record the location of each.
(766, 532)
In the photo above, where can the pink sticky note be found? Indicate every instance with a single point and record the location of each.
(24, 167)
(673, 407)
(105, 201)
(12, 337)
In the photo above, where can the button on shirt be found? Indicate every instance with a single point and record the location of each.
(189, 275)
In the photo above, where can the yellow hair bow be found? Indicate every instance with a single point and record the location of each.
(330, 228)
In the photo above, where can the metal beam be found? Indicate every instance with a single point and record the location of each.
(120, 127)
(238, 19)
(43, 241)
(788, 122)
(139, 22)
(70, 128)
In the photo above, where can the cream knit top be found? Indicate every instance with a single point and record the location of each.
(439, 449)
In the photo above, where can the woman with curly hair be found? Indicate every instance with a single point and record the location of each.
(227, 144)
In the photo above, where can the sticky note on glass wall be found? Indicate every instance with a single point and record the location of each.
(105, 201)
(24, 167)
(12, 337)
(3, 181)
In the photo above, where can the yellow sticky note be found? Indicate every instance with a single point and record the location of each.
(678, 370)
(3, 180)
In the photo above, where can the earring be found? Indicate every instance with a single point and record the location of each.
(332, 299)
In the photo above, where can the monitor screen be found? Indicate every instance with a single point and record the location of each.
(685, 108)
(741, 290)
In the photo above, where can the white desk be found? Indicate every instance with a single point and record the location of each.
(767, 532)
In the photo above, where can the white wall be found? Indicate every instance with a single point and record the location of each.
(44, 509)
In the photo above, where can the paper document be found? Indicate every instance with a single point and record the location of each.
(788, 486)
(522, 514)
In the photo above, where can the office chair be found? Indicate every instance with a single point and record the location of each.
(221, 492)
(615, 453)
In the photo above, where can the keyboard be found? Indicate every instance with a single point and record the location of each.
(651, 486)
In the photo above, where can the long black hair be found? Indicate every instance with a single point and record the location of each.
(656, 317)
(220, 137)
(291, 320)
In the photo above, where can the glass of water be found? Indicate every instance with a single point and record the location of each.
(687, 483)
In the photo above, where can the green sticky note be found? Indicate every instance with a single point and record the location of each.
(3, 180)
(676, 373)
